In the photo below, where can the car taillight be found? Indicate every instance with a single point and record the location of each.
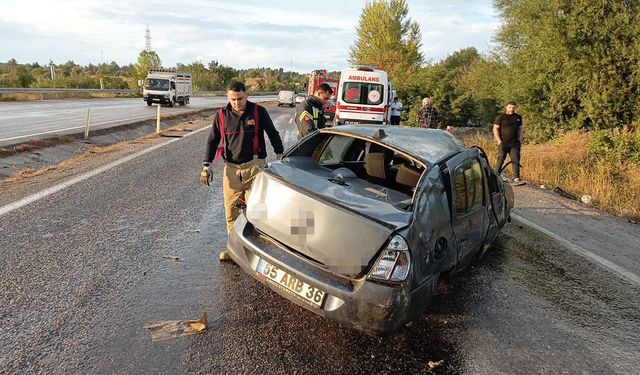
(394, 262)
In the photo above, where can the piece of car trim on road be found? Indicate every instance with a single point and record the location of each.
(56, 188)
(612, 267)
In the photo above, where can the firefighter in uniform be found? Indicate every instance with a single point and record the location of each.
(310, 114)
(243, 149)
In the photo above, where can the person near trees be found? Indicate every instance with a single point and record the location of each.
(427, 114)
(508, 132)
(396, 108)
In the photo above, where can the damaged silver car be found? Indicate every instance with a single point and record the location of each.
(356, 223)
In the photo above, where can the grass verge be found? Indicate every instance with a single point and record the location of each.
(564, 163)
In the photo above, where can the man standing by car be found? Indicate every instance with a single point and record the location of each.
(310, 114)
(396, 107)
(240, 126)
(508, 131)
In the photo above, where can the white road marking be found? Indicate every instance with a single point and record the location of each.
(612, 267)
(63, 185)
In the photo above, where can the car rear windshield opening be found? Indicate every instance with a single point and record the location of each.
(362, 93)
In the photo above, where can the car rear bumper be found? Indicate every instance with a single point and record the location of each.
(374, 308)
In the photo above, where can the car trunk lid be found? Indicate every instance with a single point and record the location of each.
(331, 223)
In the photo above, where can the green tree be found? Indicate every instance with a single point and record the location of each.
(446, 82)
(574, 64)
(147, 60)
(24, 77)
(388, 39)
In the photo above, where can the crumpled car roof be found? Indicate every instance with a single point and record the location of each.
(427, 145)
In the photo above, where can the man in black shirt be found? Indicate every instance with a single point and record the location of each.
(310, 113)
(243, 149)
(508, 131)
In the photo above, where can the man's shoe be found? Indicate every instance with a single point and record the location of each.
(518, 182)
(224, 255)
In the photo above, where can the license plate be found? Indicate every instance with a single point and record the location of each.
(291, 283)
(351, 122)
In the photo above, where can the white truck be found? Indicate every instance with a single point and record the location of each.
(167, 86)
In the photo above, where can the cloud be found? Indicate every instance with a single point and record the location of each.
(240, 34)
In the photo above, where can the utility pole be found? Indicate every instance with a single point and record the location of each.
(147, 39)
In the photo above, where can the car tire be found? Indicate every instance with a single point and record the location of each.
(149, 102)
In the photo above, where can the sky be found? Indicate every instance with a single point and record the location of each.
(300, 35)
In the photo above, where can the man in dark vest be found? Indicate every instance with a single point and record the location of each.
(240, 126)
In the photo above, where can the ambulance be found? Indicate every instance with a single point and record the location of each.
(364, 96)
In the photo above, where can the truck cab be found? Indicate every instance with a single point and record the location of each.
(165, 86)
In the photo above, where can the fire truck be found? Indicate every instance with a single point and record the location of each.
(317, 77)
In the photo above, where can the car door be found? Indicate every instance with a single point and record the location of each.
(497, 207)
(468, 204)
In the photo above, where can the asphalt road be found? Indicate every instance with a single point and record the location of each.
(83, 270)
(27, 120)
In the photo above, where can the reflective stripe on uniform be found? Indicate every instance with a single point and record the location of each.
(303, 114)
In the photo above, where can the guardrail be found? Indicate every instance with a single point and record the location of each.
(32, 90)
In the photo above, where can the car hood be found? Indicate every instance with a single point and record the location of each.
(297, 204)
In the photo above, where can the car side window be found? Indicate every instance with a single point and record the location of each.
(469, 193)
(460, 192)
(335, 150)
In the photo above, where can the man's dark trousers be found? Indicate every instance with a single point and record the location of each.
(514, 153)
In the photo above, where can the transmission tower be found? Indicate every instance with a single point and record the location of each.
(147, 39)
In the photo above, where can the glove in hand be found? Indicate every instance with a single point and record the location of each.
(205, 175)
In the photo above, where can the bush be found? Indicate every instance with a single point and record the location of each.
(616, 146)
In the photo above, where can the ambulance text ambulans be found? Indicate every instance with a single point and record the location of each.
(364, 96)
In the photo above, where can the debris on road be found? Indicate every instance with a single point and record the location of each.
(172, 257)
(168, 329)
(434, 365)
(586, 199)
(193, 230)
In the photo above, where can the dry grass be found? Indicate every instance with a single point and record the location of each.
(565, 164)
(34, 145)
(28, 173)
(87, 153)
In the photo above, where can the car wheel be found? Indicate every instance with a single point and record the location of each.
(149, 102)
